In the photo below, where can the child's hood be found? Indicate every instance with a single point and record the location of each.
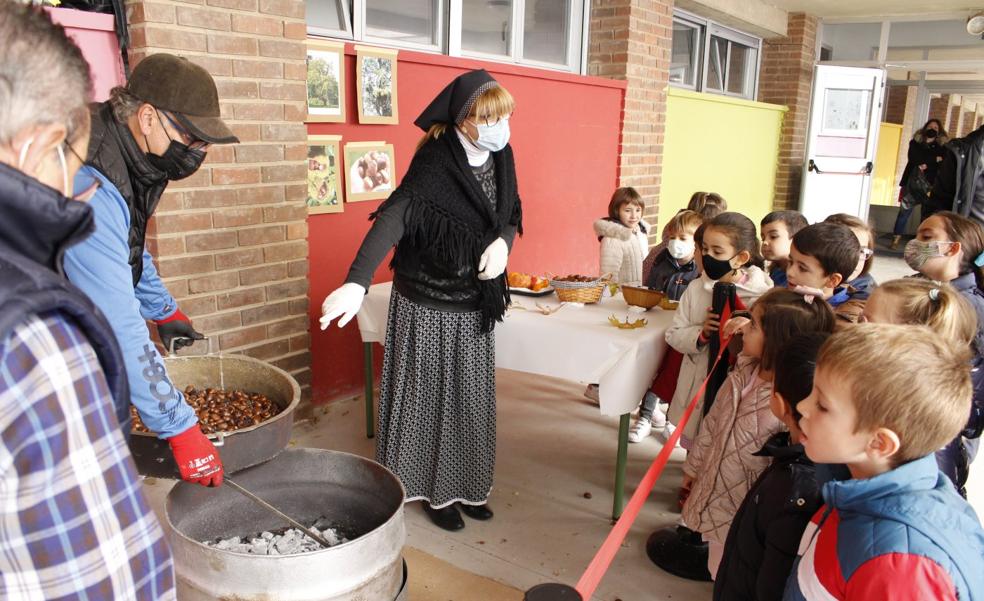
(606, 228)
(754, 284)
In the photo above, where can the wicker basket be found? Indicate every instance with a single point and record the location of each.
(641, 297)
(580, 292)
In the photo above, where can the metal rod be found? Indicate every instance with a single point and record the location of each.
(622, 459)
(304, 529)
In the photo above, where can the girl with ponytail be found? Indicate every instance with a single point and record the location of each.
(916, 301)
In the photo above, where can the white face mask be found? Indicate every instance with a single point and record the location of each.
(61, 159)
(679, 249)
(493, 137)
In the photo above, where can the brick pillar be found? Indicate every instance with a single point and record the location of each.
(954, 113)
(786, 78)
(967, 123)
(631, 40)
(895, 108)
(939, 107)
(231, 241)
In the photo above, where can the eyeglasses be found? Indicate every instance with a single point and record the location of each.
(488, 120)
(867, 253)
(93, 185)
(186, 137)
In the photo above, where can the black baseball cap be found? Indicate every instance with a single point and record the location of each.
(179, 86)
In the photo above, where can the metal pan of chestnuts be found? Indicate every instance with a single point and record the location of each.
(244, 405)
(222, 410)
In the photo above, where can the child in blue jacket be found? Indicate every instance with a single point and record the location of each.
(896, 529)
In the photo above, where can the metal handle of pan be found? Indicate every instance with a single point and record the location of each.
(207, 339)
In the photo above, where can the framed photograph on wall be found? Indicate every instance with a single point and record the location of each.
(376, 83)
(370, 172)
(325, 81)
(324, 187)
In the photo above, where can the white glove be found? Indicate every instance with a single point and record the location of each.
(344, 302)
(493, 261)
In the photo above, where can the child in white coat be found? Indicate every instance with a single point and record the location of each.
(624, 237)
(729, 253)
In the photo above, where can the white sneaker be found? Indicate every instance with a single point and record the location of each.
(640, 430)
(659, 420)
(592, 392)
(665, 434)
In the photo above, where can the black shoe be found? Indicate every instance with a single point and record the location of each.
(477, 512)
(679, 551)
(447, 517)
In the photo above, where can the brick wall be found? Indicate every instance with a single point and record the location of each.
(786, 77)
(631, 40)
(231, 241)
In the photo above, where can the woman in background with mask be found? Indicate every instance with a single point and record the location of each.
(925, 154)
(452, 220)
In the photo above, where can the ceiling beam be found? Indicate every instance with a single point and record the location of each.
(924, 17)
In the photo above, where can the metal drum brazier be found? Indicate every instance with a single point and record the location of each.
(361, 498)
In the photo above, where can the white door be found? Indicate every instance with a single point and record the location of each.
(843, 139)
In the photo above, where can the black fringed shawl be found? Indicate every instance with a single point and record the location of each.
(450, 222)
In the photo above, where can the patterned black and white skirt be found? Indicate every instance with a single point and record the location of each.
(437, 404)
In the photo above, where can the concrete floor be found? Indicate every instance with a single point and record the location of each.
(552, 495)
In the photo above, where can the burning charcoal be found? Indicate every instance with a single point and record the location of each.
(288, 541)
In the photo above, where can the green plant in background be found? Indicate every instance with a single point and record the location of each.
(322, 83)
(377, 86)
(321, 177)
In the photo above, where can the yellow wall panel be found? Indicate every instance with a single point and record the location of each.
(720, 144)
(884, 188)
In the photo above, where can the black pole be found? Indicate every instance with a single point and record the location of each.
(552, 592)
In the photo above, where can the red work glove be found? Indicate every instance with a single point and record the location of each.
(177, 327)
(197, 459)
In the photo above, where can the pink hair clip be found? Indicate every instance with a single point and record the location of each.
(808, 293)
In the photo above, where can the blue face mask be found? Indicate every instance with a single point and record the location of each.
(493, 137)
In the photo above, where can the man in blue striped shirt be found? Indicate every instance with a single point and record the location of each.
(74, 523)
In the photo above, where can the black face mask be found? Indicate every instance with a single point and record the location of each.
(178, 161)
(930, 134)
(716, 268)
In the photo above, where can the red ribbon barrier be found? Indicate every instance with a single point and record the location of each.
(603, 558)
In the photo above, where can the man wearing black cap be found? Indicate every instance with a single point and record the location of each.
(156, 129)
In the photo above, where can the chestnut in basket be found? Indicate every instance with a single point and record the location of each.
(221, 410)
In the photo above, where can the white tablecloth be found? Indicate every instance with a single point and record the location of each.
(576, 343)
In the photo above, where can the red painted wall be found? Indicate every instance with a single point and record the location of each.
(565, 137)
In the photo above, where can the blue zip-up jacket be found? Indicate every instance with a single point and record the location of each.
(904, 535)
(99, 266)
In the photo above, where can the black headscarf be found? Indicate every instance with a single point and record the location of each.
(455, 101)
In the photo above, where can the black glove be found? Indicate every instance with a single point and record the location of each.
(179, 329)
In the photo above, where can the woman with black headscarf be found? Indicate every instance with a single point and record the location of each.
(452, 221)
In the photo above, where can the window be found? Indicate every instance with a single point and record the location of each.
(413, 23)
(708, 57)
(546, 33)
(329, 17)
(684, 58)
(486, 27)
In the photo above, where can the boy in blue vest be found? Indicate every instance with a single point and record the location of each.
(896, 529)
